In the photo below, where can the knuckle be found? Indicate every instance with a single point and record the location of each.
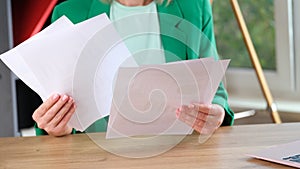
(50, 131)
(42, 125)
(34, 117)
(51, 112)
(36, 114)
(55, 132)
(42, 109)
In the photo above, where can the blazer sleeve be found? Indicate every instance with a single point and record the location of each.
(40, 132)
(221, 96)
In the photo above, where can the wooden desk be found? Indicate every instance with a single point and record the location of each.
(225, 149)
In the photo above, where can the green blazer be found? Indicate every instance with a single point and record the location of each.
(181, 36)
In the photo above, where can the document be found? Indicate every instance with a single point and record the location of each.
(287, 154)
(64, 56)
(146, 97)
(15, 61)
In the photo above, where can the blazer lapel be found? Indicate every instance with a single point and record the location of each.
(98, 7)
(172, 37)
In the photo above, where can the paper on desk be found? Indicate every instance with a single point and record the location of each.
(146, 98)
(287, 154)
(49, 63)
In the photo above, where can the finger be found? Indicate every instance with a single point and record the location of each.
(192, 120)
(189, 115)
(189, 120)
(201, 121)
(205, 108)
(43, 108)
(178, 110)
(62, 128)
(208, 129)
(60, 131)
(186, 110)
(193, 112)
(212, 123)
(195, 119)
(51, 113)
(62, 112)
(204, 118)
(205, 127)
(64, 121)
(216, 115)
(211, 109)
(181, 112)
(198, 127)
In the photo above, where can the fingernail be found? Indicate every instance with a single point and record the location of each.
(65, 97)
(55, 96)
(177, 114)
(191, 106)
(71, 100)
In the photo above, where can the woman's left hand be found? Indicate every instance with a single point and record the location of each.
(204, 118)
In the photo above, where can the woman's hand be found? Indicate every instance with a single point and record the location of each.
(204, 118)
(54, 114)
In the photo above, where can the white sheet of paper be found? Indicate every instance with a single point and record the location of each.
(95, 72)
(14, 60)
(52, 59)
(287, 154)
(146, 98)
(49, 64)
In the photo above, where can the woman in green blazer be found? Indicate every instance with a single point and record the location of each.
(53, 115)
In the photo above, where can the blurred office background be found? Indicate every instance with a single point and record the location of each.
(274, 26)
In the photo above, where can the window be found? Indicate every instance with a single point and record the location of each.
(273, 26)
(262, 25)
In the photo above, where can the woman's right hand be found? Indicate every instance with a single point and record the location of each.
(54, 114)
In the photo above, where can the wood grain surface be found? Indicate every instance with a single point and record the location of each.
(227, 148)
